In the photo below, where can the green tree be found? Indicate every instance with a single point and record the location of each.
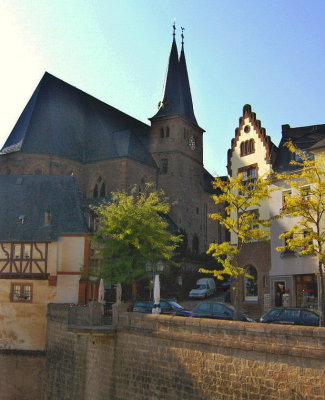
(133, 231)
(307, 203)
(242, 199)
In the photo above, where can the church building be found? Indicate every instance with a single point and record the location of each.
(65, 132)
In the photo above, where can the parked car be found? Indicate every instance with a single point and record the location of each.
(167, 307)
(226, 283)
(291, 316)
(204, 287)
(217, 310)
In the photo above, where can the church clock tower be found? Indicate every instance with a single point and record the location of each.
(176, 143)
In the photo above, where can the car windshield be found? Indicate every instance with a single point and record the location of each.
(202, 286)
(176, 305)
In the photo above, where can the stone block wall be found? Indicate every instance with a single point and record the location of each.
(21, 374)
(159, 357)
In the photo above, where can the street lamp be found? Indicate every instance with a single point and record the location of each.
(156, 269)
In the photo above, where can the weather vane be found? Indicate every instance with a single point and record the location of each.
(182, 35)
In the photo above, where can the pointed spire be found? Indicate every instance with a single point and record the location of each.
(177, 98)
(186, 98)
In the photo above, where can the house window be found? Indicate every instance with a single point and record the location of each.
(285, 195)
(247, 147)
(164, 166)
(287, 250)
(251, 290)
(306, 193)
(249, 176)
(26, 250)
(21, 292)
(307, 240)
(17, 250)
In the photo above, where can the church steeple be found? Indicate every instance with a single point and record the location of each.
(176, 98)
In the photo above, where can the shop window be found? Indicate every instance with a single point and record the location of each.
(279, 290)
(251, 291)
(21, 292)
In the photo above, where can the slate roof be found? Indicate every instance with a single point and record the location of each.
(176, 98)
(305, 138)
(62, 120)
(28, 197)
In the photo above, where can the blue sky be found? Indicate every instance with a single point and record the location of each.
(267, 53)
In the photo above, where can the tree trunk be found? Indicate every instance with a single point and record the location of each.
(322, 294)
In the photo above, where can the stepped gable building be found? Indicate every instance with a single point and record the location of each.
(253, 153)
(64, 131)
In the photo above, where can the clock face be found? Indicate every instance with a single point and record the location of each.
(192, 142)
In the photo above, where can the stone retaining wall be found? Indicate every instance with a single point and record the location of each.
(21, 374)
(150, 357)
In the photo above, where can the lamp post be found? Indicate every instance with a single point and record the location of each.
(156, 269)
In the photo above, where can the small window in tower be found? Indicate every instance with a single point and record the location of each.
(102, 191)
(164, 166)
(167, 131)
(95, 192)
(162, 133)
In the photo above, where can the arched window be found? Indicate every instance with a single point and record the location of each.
(167, 131)
(102, 191)
(252, 146)
(95, 192)
(162, 134)
(242, 148)
(247, 147)
(251, 288)
(195, 244)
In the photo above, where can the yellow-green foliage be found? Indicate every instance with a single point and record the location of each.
(242, 201)
(307, 202)
(132, 231)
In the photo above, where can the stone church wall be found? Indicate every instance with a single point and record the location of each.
(161, 357)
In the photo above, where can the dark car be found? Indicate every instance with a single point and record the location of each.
(291, 316)
(167, 307)
(217, 310)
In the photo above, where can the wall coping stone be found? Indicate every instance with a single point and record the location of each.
(296, 341)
